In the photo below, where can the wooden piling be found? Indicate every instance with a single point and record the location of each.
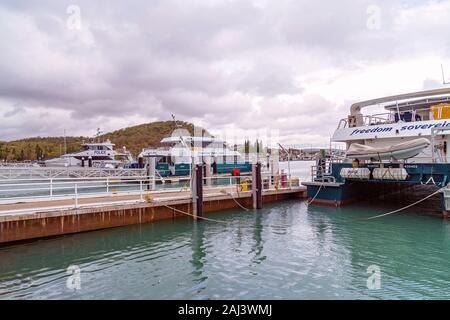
(199, 189)
(257, 186)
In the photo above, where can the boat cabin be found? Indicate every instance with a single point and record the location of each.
(408, 121)
(177, 151)
(97, 146)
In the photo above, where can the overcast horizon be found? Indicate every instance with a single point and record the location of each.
(293, 67)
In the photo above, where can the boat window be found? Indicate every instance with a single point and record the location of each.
(407, 116)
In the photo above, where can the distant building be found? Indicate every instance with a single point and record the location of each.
(297, 154)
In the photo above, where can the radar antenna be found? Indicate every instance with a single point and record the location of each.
(176, 125)
(98, 134)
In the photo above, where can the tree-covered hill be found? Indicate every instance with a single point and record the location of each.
(134, 138)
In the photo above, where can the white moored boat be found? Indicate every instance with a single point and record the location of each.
(406, 145)
(415, 127)
(100, 155)
(93, 154)
(179, 149)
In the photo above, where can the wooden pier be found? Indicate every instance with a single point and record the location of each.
(46, 218)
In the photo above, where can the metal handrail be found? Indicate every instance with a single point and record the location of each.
(434, 131)
(367, 119)
(66, 188)
(49, 172)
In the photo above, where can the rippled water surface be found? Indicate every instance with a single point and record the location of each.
(286, 250)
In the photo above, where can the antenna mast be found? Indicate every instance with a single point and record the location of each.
(65, 142)
(443, 75)
(176, 125)
(98, 134)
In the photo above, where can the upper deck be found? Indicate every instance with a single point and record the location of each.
(415, 114)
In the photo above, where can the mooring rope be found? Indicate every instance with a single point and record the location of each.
(202, 218)
(230, 223)
(314, 198)
(365, 219)
(404, 208)
(234, 199)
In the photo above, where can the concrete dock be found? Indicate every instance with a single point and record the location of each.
(45, 218)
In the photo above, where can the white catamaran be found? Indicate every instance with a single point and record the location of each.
(178, 150)
(405, 145)
(415, 126)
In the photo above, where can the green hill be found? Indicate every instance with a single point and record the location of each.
(134, 138)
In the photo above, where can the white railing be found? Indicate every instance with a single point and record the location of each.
(383, 118)
(75, 189)
(322, 173)
(74, 172)
(60, 188)
(18, 164)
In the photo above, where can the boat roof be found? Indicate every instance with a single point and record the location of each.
(202, 152)
(355, 108)
(418, 103)
(156, 152)
(106, 143)
(189, 138)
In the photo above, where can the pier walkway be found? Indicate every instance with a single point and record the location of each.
(69, 203)
(107, 205)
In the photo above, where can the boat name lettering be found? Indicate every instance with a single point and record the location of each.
(377, 129)
(403, 128)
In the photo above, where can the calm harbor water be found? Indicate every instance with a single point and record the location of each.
(286, 250)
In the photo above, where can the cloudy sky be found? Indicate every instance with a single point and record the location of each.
(289, 65)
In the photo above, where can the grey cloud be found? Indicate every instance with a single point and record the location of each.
(210, 61)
